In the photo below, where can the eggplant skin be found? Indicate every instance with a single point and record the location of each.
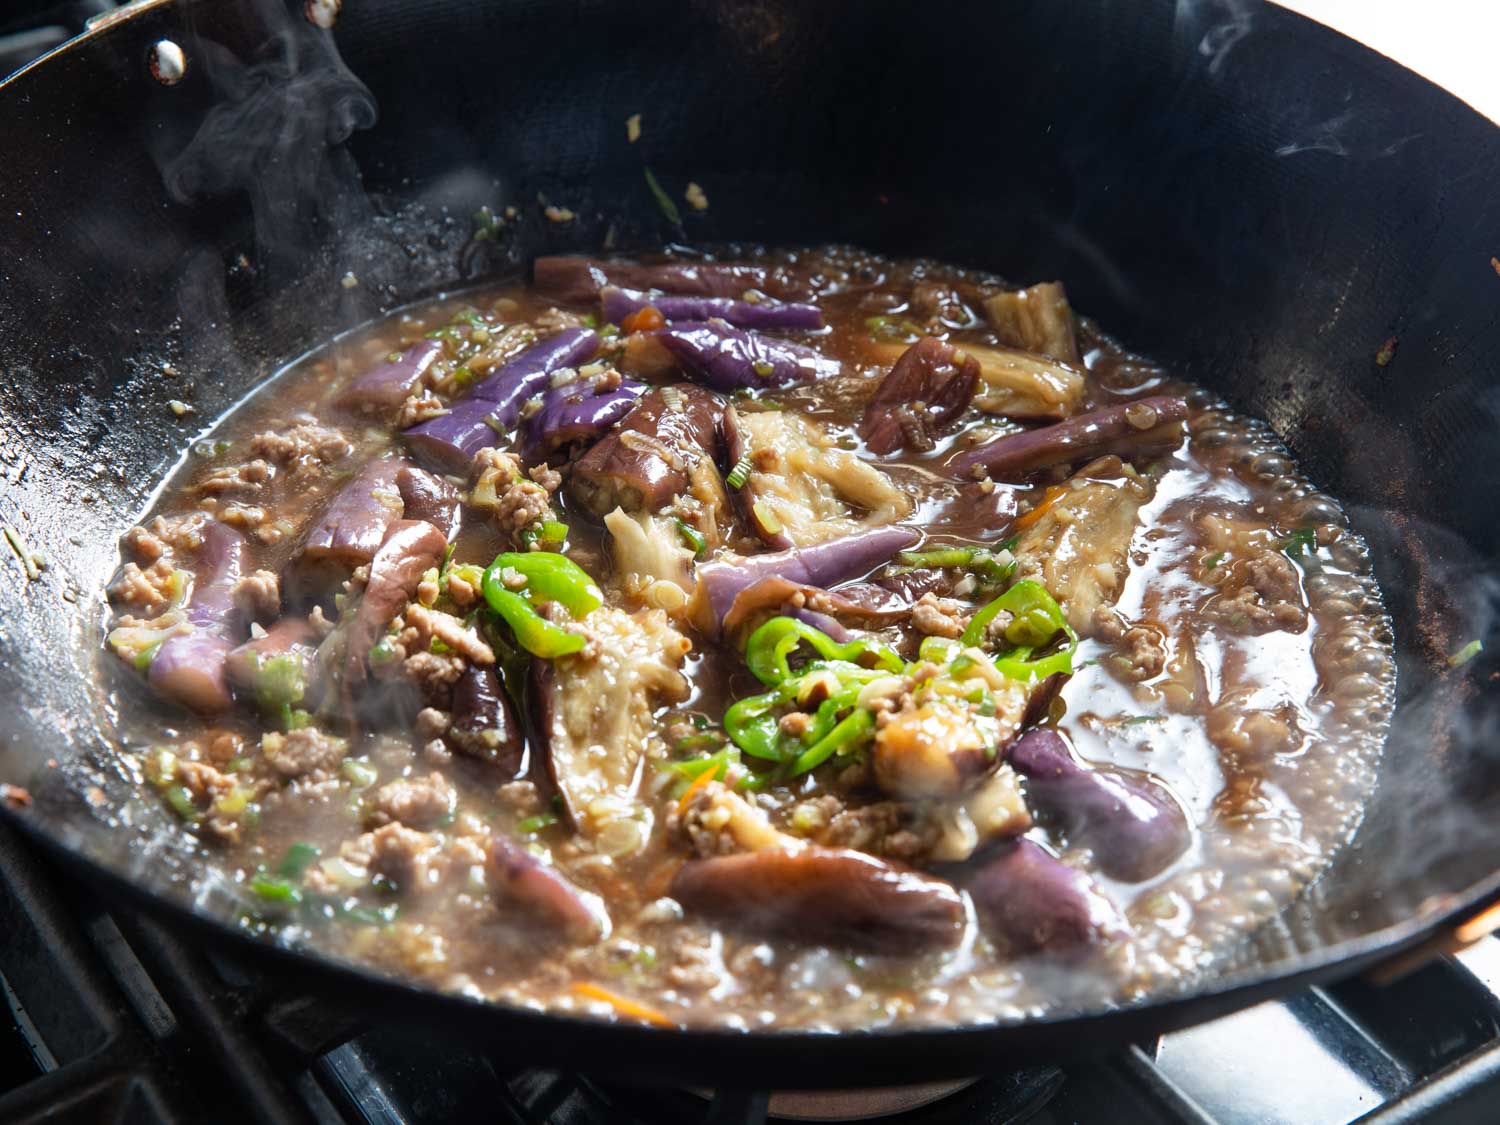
(538, 894)
(1029, 901)
(824, 896)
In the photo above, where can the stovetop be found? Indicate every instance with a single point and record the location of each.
(110, 1018)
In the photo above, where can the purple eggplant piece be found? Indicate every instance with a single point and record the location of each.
(825, 896)
(822, 564)
(1134, 828)
(571, 415)
(189, 668)
(290, 636)
(1029, 901)
(1148, 426)
(928, 388)
(824, 624)
(726, 358)
(579, 280)
(493, 406)
(430, 498)
(485, 724)
(382, 390)
(352, 527)
(541, 894)
(646, 461)
(864, 601)
(761, 316)
(410, 549)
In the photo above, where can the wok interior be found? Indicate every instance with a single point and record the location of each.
(1209, 195)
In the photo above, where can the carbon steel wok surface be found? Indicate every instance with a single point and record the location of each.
(1230, 188)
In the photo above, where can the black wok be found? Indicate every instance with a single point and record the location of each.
(1232, 189)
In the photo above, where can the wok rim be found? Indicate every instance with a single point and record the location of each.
(823, 1059)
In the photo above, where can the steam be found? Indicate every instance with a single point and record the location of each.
(1218, 26)
(275, 135)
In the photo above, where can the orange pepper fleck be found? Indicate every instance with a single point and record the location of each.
(643, 320)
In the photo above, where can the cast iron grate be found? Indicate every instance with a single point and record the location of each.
(112, 1019)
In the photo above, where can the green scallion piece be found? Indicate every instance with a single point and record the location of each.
(274, 889)
(663, 200)
(297, 860)
(1466, 654)
(534, 824)
(740, 473)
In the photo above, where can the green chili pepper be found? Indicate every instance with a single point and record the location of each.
(852, 731)
(536, 823)
(550, 577)
(298, 859)
(1037, 619)
(770, 645)
(534, 632)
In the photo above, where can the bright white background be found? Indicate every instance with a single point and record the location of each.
(1455, 43)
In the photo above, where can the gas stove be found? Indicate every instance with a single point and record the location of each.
(111, 1018)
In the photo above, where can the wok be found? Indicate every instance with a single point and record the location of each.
(1238, 192)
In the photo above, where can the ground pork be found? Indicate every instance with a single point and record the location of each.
(165, 534)
(521, 797)
(435, 674)
(417, 802)
(413, 860)
(303, 753)
(237, 480)
(551, 321)
(306, 441)
(1259, 594)
(423, 406)
(886, 828)
(939, 617)
(429, 624)
(258, 595)
(144, 593)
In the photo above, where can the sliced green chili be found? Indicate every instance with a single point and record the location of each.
(536, 823)
(274, 889)
(1036, 619)
(550, 577)
(852, 731)
(770, 645)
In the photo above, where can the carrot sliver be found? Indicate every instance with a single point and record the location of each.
(643, 320)
(692, 790)
(1051, 497)
(630, 1009)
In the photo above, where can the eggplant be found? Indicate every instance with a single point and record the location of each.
(353, 525)
(1135, 829)
(823, 564)
(411, 548)
(1146, 427)
(864, 601)
(189, 668)
(544, 895)
(493, 406)
(930, 386)
(484, 721)
(726, 358)
(762, 316)
(573, 413)
(289, 638)
(825, 896)
(430, 498)
(1029, 901)
(646, 462)
(595, 720)
(1036, 319)
(382, 390)
(578, 281)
